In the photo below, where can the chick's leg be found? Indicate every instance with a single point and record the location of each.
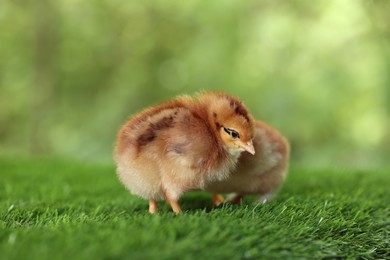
(217, 199)
(152, 206)
(235, 198)
(174, 204)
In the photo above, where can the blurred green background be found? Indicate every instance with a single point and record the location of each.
(72, 71)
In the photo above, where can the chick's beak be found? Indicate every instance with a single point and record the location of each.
(248, 146)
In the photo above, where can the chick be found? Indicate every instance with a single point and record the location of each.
(261, 174)
(182, 145)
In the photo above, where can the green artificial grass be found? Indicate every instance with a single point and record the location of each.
(51, 209)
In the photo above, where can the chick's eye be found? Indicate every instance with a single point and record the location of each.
(235, 135)
(232, 133)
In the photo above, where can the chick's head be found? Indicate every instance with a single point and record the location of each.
(234, 125)
(237, 135)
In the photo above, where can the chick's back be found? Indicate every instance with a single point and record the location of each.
(167, 147)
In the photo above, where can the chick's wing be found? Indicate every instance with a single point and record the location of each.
(189, 142)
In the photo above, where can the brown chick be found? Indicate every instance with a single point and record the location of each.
(182, 145)
(261, 174)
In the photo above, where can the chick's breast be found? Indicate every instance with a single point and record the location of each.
(168, 148)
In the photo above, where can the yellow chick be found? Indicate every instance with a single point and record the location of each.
(182, 145)
(261, 174)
